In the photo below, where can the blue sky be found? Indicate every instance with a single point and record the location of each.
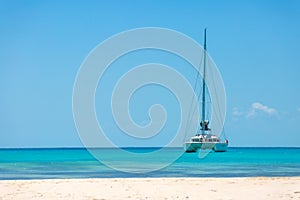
(255, 45)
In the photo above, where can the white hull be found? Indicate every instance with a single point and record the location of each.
(215, 146)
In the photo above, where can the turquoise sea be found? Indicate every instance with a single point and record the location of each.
(79, 163)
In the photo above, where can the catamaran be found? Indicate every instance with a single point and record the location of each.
(205, 140)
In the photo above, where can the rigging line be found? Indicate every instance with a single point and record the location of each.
(215, 92)
(224, 132)
(199, 94)
(195, 87)
(218, 106)
(192, 100)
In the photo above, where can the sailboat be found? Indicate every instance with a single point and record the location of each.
(205, 140)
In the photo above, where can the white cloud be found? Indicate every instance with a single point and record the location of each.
(255, 108)
(258, 106)
(299, 109)
(236, 112)
(251, 113)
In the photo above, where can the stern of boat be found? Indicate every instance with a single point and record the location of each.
(189, 147)
(220, 147)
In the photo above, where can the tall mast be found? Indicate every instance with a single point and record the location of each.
(203, 83)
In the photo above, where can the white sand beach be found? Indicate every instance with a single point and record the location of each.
(153, 188)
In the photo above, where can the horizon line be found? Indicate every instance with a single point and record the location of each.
(131, 147)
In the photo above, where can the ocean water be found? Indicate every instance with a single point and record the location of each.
(79, 163)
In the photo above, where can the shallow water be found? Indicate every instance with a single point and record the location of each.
(79, 163)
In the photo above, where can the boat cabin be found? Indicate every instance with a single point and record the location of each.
(205, 138)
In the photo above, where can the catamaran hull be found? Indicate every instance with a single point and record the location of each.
(220, 147)
(194, 146)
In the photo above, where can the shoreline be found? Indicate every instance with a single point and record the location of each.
(153, 188)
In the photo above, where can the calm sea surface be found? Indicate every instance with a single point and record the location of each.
(79, 163)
